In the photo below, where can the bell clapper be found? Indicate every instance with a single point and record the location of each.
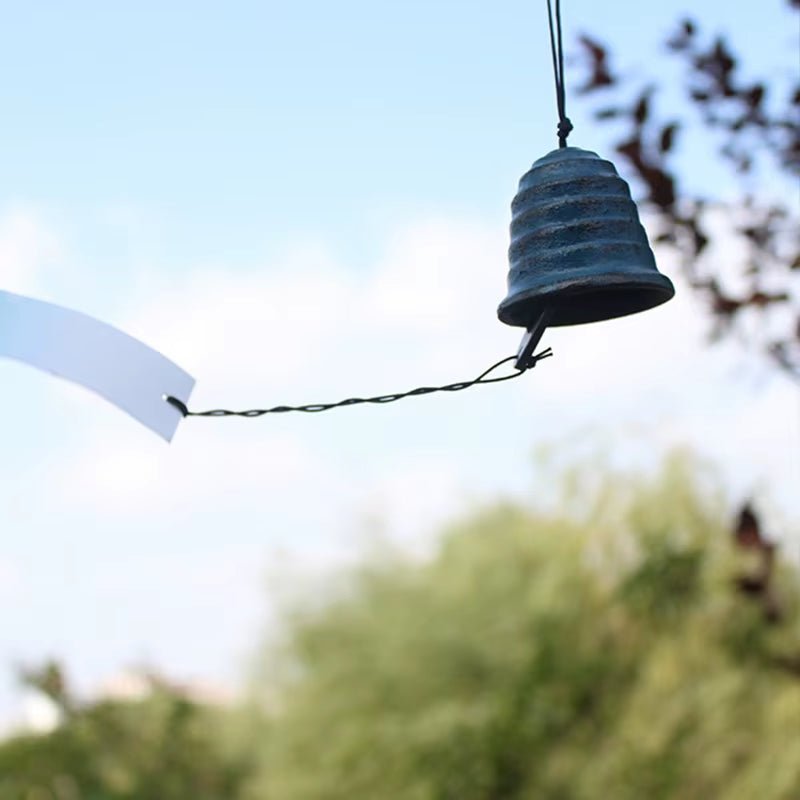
(530, 340)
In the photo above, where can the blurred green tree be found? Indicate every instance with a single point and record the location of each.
(597, 654)
(163, 746)
(610, 647)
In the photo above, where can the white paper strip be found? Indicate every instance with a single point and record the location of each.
(79, 348)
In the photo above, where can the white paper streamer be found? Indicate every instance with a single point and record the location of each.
(105, 360)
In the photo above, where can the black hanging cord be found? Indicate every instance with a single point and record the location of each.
(557, 49)
(313, 408)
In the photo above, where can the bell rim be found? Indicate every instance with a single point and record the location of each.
(646, 290)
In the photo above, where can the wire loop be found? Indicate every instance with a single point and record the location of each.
(314, 408)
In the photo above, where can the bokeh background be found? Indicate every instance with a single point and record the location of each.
(451, 596)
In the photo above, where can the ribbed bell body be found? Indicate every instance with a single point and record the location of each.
(577, 247)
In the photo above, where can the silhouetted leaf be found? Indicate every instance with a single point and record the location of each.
(682, 39)
(667, 139)
(608, 113)
(642, 108)
(755, 96)
(600, 74)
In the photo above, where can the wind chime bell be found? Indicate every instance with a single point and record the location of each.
(578, 251)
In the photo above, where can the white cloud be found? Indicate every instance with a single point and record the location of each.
(307, 329)
(134, 477)
(11, 580)
(299, 331)
(161, 548)
(26, 245)
(309, 313)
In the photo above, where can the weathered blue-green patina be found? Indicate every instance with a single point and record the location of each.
(578, 251)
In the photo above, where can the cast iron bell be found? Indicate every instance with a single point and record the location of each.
(578, 252)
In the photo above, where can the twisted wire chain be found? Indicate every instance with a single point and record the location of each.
(313, 408)
(557, 50)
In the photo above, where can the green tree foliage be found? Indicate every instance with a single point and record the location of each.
(626, 643)
(162, 747)
(600, 654)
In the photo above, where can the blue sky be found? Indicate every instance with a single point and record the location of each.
(297, 202)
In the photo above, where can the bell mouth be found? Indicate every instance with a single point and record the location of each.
(576, 302)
